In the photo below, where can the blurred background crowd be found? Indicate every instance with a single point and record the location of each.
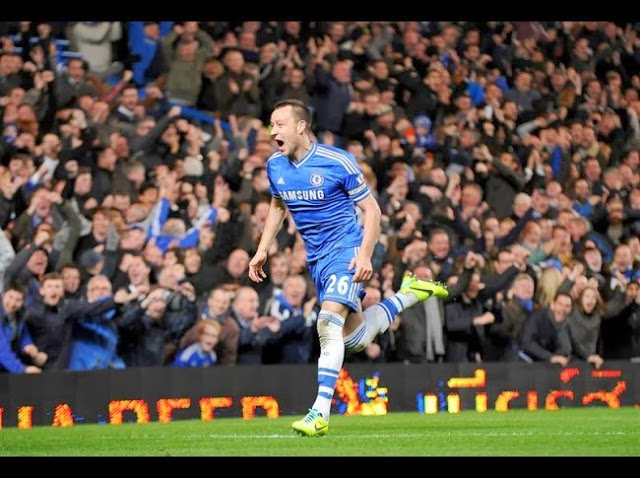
(133, 189)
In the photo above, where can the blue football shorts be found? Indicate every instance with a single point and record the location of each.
(334, 281)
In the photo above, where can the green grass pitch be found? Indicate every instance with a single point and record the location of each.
(594, 431)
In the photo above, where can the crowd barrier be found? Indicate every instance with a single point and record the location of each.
(144, 395)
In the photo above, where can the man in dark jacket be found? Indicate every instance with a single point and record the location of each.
(294, 340)
(50, 320)
(546, 336)
(255, 331)
(153, 327)
(333, 95)
(73, 83)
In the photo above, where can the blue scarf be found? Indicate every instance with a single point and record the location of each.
(526, 303)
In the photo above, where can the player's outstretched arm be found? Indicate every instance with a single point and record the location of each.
(272, 225)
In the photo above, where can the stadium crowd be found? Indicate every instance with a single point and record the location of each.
(133, 189)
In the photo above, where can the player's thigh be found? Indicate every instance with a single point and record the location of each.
(336, 307)
(352, 322)
(334, 280)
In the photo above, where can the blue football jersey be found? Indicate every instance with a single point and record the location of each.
(321, 191)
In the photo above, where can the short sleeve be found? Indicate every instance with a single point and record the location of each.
(356, 186)
(272, 183)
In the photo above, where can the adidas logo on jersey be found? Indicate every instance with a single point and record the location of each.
(280, 181)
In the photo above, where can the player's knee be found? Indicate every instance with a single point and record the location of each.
(329, 325)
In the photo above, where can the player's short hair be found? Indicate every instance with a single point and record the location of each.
(300, 110)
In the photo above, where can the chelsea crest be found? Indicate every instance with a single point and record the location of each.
(317, 179)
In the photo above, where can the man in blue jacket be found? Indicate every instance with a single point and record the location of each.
(17, 351)
(94, 330)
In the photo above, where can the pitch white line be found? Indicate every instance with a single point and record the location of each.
(417, 435)
(293, 436)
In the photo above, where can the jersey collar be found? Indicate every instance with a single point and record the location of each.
(306, 157)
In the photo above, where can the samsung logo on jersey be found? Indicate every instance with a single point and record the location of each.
(304, 194)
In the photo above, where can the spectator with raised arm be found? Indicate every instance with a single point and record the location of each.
(185, 50)
(94, 332)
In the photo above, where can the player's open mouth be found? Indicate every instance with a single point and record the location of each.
(279, 142)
